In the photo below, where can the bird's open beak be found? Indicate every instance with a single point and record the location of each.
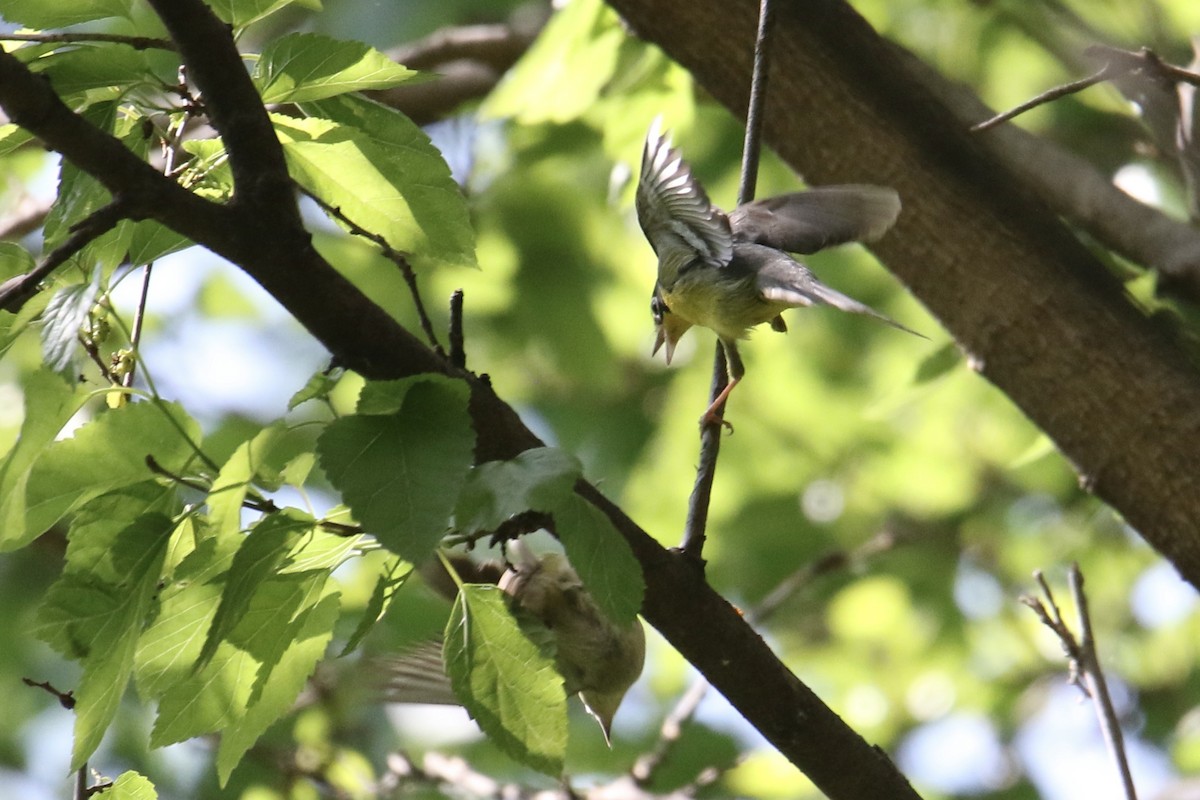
(668, 333)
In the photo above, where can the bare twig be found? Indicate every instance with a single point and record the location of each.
(710, 435)
(65, 699)
(1105, 73)
(15, 292)
(1085, 670)
(458, 355)
(391, 254)
(136, 42)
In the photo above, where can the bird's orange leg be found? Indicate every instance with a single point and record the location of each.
(736, 370)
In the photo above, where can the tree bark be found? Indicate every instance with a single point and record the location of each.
(1033, 310)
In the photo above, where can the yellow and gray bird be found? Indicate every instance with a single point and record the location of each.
(597, 658)
(731, 272)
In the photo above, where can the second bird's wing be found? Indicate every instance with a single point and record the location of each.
(805, 222)
(674, 211)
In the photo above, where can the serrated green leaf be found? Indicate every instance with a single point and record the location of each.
(383, 397)
(104, 455)
(62, 319)
(150, 241)
(280, 691)
(383, 173)
(172, 643)
(242, 671)
(537, 479)
(100, 623)
(94, 67)
(401, 473)
(261, 553)
(601, 557)
(61, 13)
(131, 786)
(318, 550)
(301, 67)
(241, 13)
(13, 137)
(394, 574)
(507, 682)
(318, 387)
(54, 400)
(250, 462)
(561, 76)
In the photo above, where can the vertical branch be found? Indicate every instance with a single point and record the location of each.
(710, 435)
(1093, 675)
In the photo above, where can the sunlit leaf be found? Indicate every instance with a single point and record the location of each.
(400, 473)
(301, 67)
(507, 681)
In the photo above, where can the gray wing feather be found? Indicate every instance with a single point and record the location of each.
(674, 210)
(805, 222)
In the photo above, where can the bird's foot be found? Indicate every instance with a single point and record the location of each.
(712, 418)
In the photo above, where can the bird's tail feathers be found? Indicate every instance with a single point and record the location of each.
(820, 294)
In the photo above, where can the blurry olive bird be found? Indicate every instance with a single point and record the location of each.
(731, 272)
(596, 657)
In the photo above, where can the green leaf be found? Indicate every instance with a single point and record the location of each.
(241, 13)
(538, 479)
(104, 455)
(279, 693)
(401, 473)
(12, 137)
(94, 67)
(49, 402)
(382, 172)
(561, 76)
(395, 574)
(101, 623)
(506, 680)
(250, 463)
(602, 558)
(261, 553)
(318, 387)
(131, 786)
(318, 550)
(61, 13)
(301, 67)
(150, 241)
(62, 319)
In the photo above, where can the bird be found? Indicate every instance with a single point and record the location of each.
(599, 659)
(732, 272)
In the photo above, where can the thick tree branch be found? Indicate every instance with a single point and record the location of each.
(1038, 315)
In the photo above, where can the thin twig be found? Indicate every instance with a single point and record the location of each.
(15, 292)
(136, 42)
(170, 153)
(458, 355)
(710, 435)
(81, 783)
(1096, 681)
(262, 505)
(391, 254)
(1085, 670)
(1105, 73)
(65, 699)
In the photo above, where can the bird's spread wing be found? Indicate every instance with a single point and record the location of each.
(781, 279)
(805, 222)
(415, 676)
(674, 210)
